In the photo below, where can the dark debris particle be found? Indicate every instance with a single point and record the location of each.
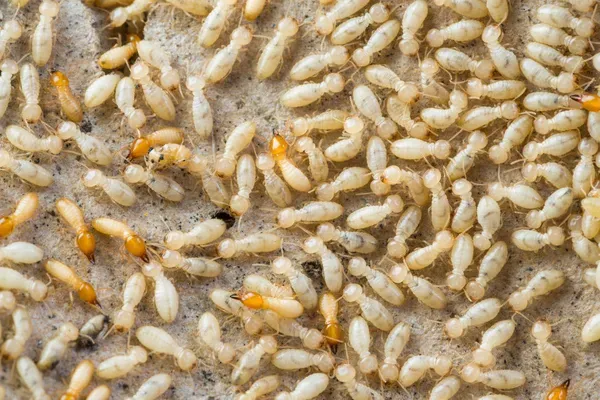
(225, 217)
(86, 126)
(313, 269)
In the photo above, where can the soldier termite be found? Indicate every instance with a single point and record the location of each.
(69, 104)
(329, 309)
(223, 300)
(143, 144)
(287, 308)
(74, 217)
(24, 210)
(134, 244)
(68, 276)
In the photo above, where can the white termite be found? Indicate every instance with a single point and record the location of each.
(262, 386)
(489, 218)
(424, 291)
(461, 163)
(152, 54)
(312, 212)
(91, 330)
(157, 98)
(351, 178)
(201, 112)
(346, 374)
(252, 243)
(152, 388)
(101, 392)
(133, 292)
(491, 264)
(13, 280)
(135, 9)
(368, 105)
(301, 284)
(399, 112)
(498, 10)
(372, 215)
(32, 378)
(461, 258)
(536, 73)
(504, 60)
(308, 388)
(462, 31)
(381, 38)
(561, 121)
(496, 90)
(441, 211)
(166, 299)
(317, 163)
(584, 173)
(353, 242)
(417, 149)
(29, 78)
(550, 355)
(372, 310)
(591, 330)
(519, 194)
(100, 90)
(466, 8)
(416, 367)
(377, 159)
(425, 256)
(353, 28)
(56, 347)
(10, 33)
(8, 302)
(443, 118)
(446, 388)
(554, 173)
(120, 365)
(311, 337)
(590, 225)
(197, 266)
(118, 191)
(429, 85)
(331, 120)
(296, 359)
(412, 20)
(542, 283)
(213, 24)
(501, 379)
(92, 148)
(119, 55)
(478, 314)
(248, 363)
(515, 134)
(384, 77)
(332, 266)
(164, 186)
(42, 38)
(394, 344)
(360, 341)
(307, 93)
(125, 99)
(26, 170)
(582, 5)
(9, 69)
(554, 37)
(379, 282)
(245, 179)
(547, 101)
(532, 240)
(22, 328)
(263, 286)
(407, 225)
(585, 248)
(275, 187)
(561, 17)
(222, 62)
(591, 205)
(159, 341)
(21, 253)
(465, 213)
(201, 234)
(236, 142)
(555, 206)
(394, 175)
(214, 187)
(313, 64)
(272, 55)
(326, 21)
(349, 144)
(456, 61)
(223, 300)
(551, 57)
(479, 117)
(495, 336)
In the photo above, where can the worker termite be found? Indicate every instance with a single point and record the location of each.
(200, 8)
(25, 170)
(498, 10)
(133, 291)
(226, 303)
(591, 330)
(332, 266)
(9, 69)
(8, 302)
(69, 104)
(327, 121)
(121, 365)
(201, 111)
(164, 186)
(209, 332)
(308, 93)
(166, 298)
(252, 243)
(264, 287)
(495, 336)
(492, 263)
(465, 30)
(446, 388)
(159, 341)
(540, 76)
(384, 77)
(142, 145)
(372, 215)
(405, 228)
(262, 386)
(550, 355)
(532, 240)
(461, 163)
(25, 140)
(317, 163)
(394, 344)
(561, 17)
(466, 212)
(416, 149)
(275, 187)
(514, 135)
(466, 8)
(542, 283)
(252, 10)
(213, 185)
(308, 388)
(461, 257)
(379, 282)
(585, 248)
(222, 62)
(555, 206)
(292, 174)
(377, 159)
(372, 310)
(412, 20)
(584, 174)
(32, 378)
(246, 178)
(346, 374)
(394, 175)
(201, 234)
(333, 331)
(561, 121)
(29, 78)
(360, 341)
(430, 86)
(479, 117)
(300, 283)
(423, 290)
(556, 174)
(546, 101)
(590, 204)
(353, 28)
(101, 392)
(118, 191)
(151, 53)
(56, 347)
(134, 244)
(198, 266)
(10, 33)
(557, 145)
(248, 362)
(92, 148)
(554, 37)
(236, 142)
(497, 90)
(368, 105)
(153, 387)
(81, 377)
(441, 211)
(504, 60)
(100, 90)
(350, 142)
(399, 112)
(354, 242)
(478, 314)
(295, 359)
(134, 9)
(521, 195)
(440, 118)
(425, 256)
(119, 55)
(311, 338)
(325, 22)
(125, 99)
(68, 276)
(272, 55)
(42, 38)
(349, 179)
(416, 367)
(456, 61)
(312, 212)
(502, 379)
(381, 38)
(590, 225)
(215, 22)
(551, 57)
(13, 280)
(156, 97)
(22, 327)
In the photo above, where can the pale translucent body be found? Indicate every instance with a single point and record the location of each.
(381, 38)
(214, 187)
(591, 330)
(10, 32)
(377, 160)
(201, 111)
(121, 365)
(194, 7)
(399, 112)
(461, 163)
(332, 266)
(495, 336)
(429, 85)
(272, 55)
(551, 57)
(440, 210)
(423, 290)
(349, 144)
(466, 8)
(157, 98)
(555, 206)
(42, 38)
(532, 240)
(8, 302)
(584, 174)
(100, 90)
(159, 341)
(479, 117)
(353, 242)
(502, 379)
(275, 187)
(547, 101)
(308, 388)
(521, 195)
(202, 233)
(92, 329)
(412, 20)
(554, 37)
(92, 148)
(21, 253)
(406, 226)
(368, 105)
(360, 341)
(23, 328)
(137, 8)
(379, 282)
(13, 280)
(346, 374)
(542, 283)
(505, 61)
(311, 337)
(311, 212)
(442, 118)
(25, 170)
(331, 120)
(417, 149)
(32, 378)
(561, 17)
(465, 30)
(515, 134)
(209, 332)
(461, 258)
(456, 61)
(133, 292)
(351, 178)
(152, 54)
(496, 90)
(393, 347)
(152, 388)
(56, 347)
(540, 76)
(296, 359)
(446, 388)
(498, 10)
(215, 22)
(262, 386)
(586, 249)
(416, 367)
(164, 186)
(253, 243)
(252, 10)
(308, 93)
(561, 121)
(425, 256)
(248, 363)
(478, 314)
(550, 355)
(372, 310)
(236, 142)
(222, 299)
(300, 283)
(118, 191)
(166, 298)
(554, 173)
(465, 213)
(263, 286)
(317, 163)
(372, 215)
(29, 79)
(125, 99)
(81, 377)
(313, 64)
(412, 180)
(101, 392)
(590, 225)
(326, 20)
(491, 264)
(382, 76)
(353, 28)
(9, 69)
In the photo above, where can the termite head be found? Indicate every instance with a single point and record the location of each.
(470, 373)
(93, 177)
(249, 299)
(456, 281)
(442, 365)
(87, 244)
(241, 35)
(312, 245)
(281, 265)
(123, 320)
(394, 203)
(139, 148)
(556, 235)
(139, 71)
(88, 294)
(519, 300)
(541, 124)
(227, 248)
(239, 205)
(475, 290)
(475, 88)
(7, 225)
(7, 301)
(134, 173)
(491, 34)
(195, 83)
(171, 258)
(454, 328)
(9, 67)
(118, 17)
(66, 130)
(278, 147)
(326, 231)
(49, 8)
(352, 292)
(566, 82)
(541, 330)
(170, 79)
(398, 273)
(268, 343)
(429, 67)
(498, 154)
(31, 113)
(345, 373)
(299, 126)
(461, 187)
(324, 24)
(13, 29)
(585, 27)
(559, 392)
(186, 359)
(432, 178)
(334, 82)
(409, 47)
(590, 102)
(265, 162)
(357, 266)
(38, 291)
(362, 57)
(353, 125)
(68, 331)
(58, 79)
(397, 249)
(478, 140)
(588, 147)
(136, 246)
(379, 13)
(325, 192)
(483, 357)
(338, 55)
(139, 354)
(133, 38)
(459, 99)
(288, 27)
(286, 217)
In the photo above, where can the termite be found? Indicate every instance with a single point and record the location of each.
(498, 10)
(561, 17)
(461, 163)
(13, 280)
(461, 258)
(514, 135)
(25, 170)
(166, 298)
(151, 53)
(92, 148)
(521, 195)
(326, 21)
(399, 112)
(236, 142)
(440, 118)
(384, 77)
(164, 186)
(478, 314)
(295, 359)
(423, 257)
(252, 10)
(466, 212)
(360, 341)
(133, 291)
(68, 276)
(209, 332)
(264, 287)
(551, 57)
(412, 20)
(74, 217)
(101, 392)
(156, 97)
(466, 8)
(550, 355)
(135, 9)
(307, 93)
(554, 37)
(118, 191)
(153, 387)
(554, 173)
(465, 30)
(245, 179)
(423, 290)
(22, 327)
(25, 140)
(134, 244)
(308, 388)
(118, 56)
(42, 38)
(292, 174)
(215, 22)
(353, 28)
(536, 73)
(121, 365)
(142, 145)
(381, 38)
(495, 336)
(56, 347)
(68, 102)
(557, 145)
(311, 338)
(393, 347)
(8, 302)
(407, 225)
(560, 392)
(532, 240)
(542, 283)
(329, 309)
(266, 384)
(311, 212)
(368, 105)
(372, 310)
(479, 117)
(272, 55)
(201, 111)
(504, 60)
(100, 90)
(275, 187)
(9, 69)
(10, 33)
(354, 242)
(492, 263)
(300, 283)
(591, 330)
(501, 379)
(159, 341)
(584, 173)
(441, 211)
(446, 388)
(287, 308)
(331, 120)
(81, 377)
(170, 154)
(91, 330)
(456, 61)
(372, 215)
(213, 185)
(555, 206)
(248, 362)
(317, 163)
(349, 144)
(222, 62)
(497, 90)
(416, 149)
(29, 78)
(417, 366)
(561, 121)
(379, 282)
(32, 378)
(431, 88)
(332, 266)
(198, 266)
(125, 99)
(194, 7)
(377, 160)
(252, 243)
(346, 374)
(223, 300)
(547, 101)
(201, 234)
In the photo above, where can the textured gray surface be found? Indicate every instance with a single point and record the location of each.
(79, 41)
